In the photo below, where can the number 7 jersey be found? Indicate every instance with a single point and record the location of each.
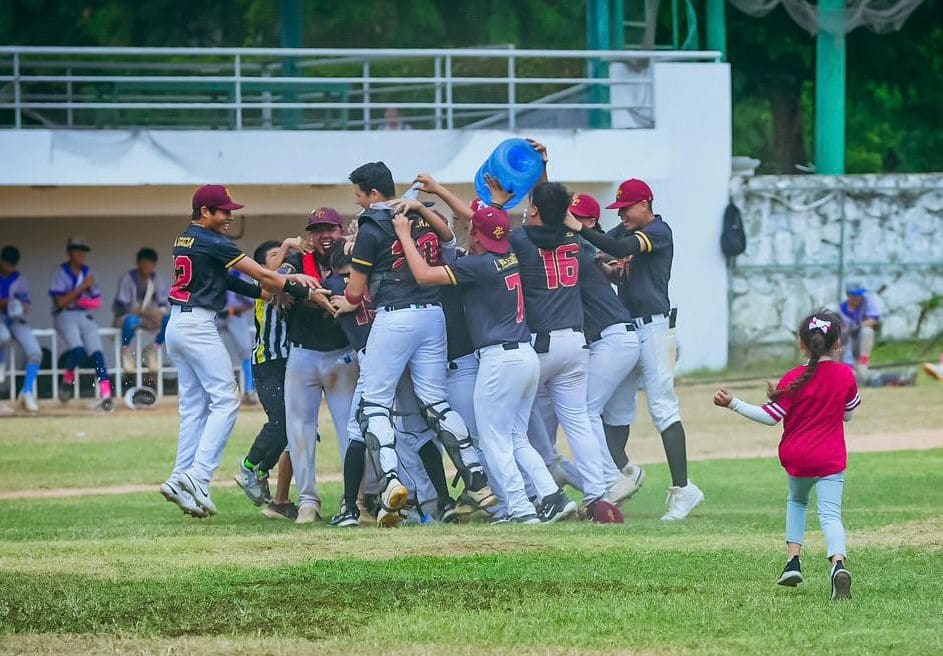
(202, 259)
(550, 271)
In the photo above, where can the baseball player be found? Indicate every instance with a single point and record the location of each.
(613, 347)
(549, 264)
(207, 396)
(647, 239)
(15, 304)
(237, 320)
(508, 369)
(860, 317)
(141, 301)
(75, 295)
(321, 362)
(268, 371)
(409, 330)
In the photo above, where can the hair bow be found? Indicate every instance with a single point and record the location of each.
(817, 324)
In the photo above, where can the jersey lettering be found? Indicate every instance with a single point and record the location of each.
(183, 274)
(513, 282)
(561, 265)
(427, 245)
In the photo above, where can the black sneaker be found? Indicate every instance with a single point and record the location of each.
(448, 512)
(556, 507)
(347, 518)
(792, 573)
(286, 510)
(841, 581)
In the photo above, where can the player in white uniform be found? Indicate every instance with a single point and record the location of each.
(15, 304)
(141, 302)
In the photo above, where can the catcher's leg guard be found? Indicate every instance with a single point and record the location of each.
(453, 434)
(377, 428)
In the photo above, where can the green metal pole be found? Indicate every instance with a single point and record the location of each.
(290, 20)
(717, 27)
(830, 89)
(598, 38)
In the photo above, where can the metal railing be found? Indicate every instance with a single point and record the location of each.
(272, 88)
(123, 380)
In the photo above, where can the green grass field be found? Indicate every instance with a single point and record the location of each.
(128, 574)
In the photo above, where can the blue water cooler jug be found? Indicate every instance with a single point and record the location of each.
(516, 165)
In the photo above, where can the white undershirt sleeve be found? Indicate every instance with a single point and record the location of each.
(750, 411)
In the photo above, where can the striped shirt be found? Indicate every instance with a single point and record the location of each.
(271, 332)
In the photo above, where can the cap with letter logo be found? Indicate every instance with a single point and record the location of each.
(214, 196)
(630, 192)
(492, 227)
(584, 206)
(324, 216)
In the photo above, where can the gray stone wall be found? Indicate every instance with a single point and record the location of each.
(808, 235)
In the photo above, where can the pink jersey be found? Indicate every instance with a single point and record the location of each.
(813, 441)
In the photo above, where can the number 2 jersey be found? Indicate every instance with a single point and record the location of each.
(550, 269)
(202, 259)
(493, 296)
(379, 255)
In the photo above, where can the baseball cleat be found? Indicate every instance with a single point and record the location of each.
(308, 513)
(841, 582)
(556, 507)
(170, 490)
(626, 485)
(448, 512)
(681, 501)
(200, 493)
(603, 512)
(391, 501)
(28, 401)
(792, 573)
(347, 518)
(248, 480)
(482, 497)
(286, 510)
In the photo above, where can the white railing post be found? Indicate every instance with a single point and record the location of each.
(366, 95)
(68, 97)
(449, 114)
(55, 364)
(18, 120)
(512, 91)
(437, 72)
(266, 101)
(238, 94)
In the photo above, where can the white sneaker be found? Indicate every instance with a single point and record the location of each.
(127, 360)
(28, 401)
(393, 498)
(483, 498)
(173, 493)
(200, 493)
(629, 482)
(309, 513)
(681, 501)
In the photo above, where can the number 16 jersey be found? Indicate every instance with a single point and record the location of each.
(202, 259)
(550, 271)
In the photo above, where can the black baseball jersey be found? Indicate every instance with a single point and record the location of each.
(494, 297)
(601, 305)
(309, 326)
(201, 260)
(550, 269)
(378, 254)
(356, 325)
(456, 323)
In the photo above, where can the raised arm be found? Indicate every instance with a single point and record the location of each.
(439, 225)
(459, 207)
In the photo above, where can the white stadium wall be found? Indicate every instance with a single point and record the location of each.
(127, 189)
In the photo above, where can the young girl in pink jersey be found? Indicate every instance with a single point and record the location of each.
(812, 401)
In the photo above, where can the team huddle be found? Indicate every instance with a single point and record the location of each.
(421, 348)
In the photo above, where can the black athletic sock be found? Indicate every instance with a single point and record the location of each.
(676, 452)
(432, 462)
(616, 439)
(354, 462)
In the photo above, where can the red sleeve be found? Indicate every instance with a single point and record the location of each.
(852, 400)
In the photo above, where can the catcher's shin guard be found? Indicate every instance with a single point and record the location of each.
(378, 434)
(454, 437)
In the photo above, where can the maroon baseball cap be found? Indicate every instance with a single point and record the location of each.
(324, 216)
(477, 204)
(585, 206)
(630, 192)
(214, 196)
(493, 227)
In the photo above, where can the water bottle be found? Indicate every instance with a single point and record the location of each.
(516, 165)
